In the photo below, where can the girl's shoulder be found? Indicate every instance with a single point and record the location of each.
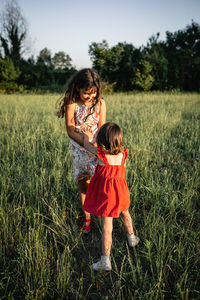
(102, 105)
(71, 107)
(102, 102)
(71, 104)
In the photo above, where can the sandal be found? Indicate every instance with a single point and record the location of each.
(86, 228)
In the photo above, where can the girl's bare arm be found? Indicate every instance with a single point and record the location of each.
(102, 115)
(88, 146)
(70, 124)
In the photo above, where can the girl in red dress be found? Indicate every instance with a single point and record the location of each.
(108, 195)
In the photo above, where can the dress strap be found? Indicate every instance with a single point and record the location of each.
(102, 155)
(125, 154)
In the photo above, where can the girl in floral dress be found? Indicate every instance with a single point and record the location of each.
(84, 110)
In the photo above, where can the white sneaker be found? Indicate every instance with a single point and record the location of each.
(133, 240)
(103, 265)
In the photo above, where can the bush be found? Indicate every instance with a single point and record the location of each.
(108, 88)
(7, 70)
(10, 87)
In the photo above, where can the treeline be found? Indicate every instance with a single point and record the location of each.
(160, 65)
(45, 73)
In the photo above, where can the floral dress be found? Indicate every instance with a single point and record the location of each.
(84, 162)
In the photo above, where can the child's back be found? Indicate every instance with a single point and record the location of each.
(108, 193)
(114, 160)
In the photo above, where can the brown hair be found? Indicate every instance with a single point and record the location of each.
(83, 79)
(110, 138)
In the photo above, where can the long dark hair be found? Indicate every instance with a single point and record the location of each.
(110, 138)
(83, 79)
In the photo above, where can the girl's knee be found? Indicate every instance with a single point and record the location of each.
(125, 213)
(107, 225)
(83, 185)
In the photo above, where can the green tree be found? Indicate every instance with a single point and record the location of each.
(30, 73)
(117, 64)
(182, 50)
(100, 55)
(45, 69)
(155, 54)
(128, 64)
(61, 60)
(13, 32)
(45, 58)
(144, 79)
(8, 75)
(7, 70)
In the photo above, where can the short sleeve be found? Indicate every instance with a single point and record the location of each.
(125, 154)
(101, 155)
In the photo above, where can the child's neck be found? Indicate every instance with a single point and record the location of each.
(84, 103)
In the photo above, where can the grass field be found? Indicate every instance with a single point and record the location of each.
(43, 255)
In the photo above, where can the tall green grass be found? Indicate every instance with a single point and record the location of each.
(43, 255)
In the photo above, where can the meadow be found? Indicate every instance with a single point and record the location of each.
(43, 254)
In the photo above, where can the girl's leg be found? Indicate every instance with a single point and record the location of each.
(133, 240)
(83, 185)
(107, 227)
(104, 263)
(127, 221)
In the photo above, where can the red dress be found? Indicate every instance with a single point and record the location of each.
(108, 194)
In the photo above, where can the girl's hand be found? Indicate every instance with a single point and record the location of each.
(85, 137)
(89, 146)
(89, 135)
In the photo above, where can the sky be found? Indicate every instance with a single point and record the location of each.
(72, 25)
